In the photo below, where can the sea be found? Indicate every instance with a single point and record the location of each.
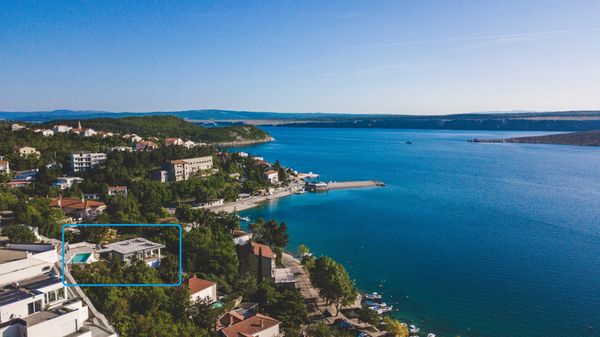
(465, 239)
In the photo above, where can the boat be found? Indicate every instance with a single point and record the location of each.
(430, 335)
(244, 218)
(373, 296)
(408, 142)
(413, 329)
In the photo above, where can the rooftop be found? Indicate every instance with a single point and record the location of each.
(250, 326)
(197, 284)
(132, 246)
(8, 255)
(284, 275)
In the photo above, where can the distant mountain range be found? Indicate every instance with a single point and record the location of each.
(514, 120)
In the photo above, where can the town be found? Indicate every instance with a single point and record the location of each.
(237, 277)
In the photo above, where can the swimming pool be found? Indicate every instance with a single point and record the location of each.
(80, 258)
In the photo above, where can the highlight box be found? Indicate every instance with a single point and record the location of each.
(122, 284)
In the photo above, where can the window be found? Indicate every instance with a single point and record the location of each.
(34, 307)
(52, 296)
(30, 308)
(38, 305)
(61, 294)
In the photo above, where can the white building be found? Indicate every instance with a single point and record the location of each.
(272, 176)
(83, 161)
(202, 290)
(44, 132)
(33, 300)
(115, 190)
(17, 127)
(138, 248)
(28, 151)
(189, 144)
(66, 182)
(61, 128)
(121, 148)
(182, 169)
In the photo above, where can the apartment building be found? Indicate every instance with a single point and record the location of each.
(182, 169)
(83, 161)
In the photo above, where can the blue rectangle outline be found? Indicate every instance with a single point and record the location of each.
(122, 284)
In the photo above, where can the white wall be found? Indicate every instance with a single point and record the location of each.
(210, 293)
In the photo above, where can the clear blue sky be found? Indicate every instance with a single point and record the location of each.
(414, 57)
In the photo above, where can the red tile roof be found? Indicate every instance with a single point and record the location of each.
(197, 284)
(251, 326)
(76, 203)
(266, 251)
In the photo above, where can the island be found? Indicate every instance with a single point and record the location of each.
(580, 138)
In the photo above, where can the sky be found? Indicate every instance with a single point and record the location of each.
(396, 57)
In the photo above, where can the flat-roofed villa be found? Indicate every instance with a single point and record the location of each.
(129, 250)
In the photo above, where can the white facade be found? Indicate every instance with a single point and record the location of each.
(83, 161)
(28, 151)
(66, 182)
(61, 128)
(4, 167)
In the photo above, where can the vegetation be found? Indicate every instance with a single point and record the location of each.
(395, 327)
(169, 126)
(582, 138)
(19, 233)
(333, 282)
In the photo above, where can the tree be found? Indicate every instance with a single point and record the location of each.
(333, 282)
(269, 233)
(290, 309)
(19, 233)
(367, 315)
(396, 327)
(303, 250)
(204, 315)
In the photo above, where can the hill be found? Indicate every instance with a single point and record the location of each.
(581, 138)
(540, 121)
(170, 126)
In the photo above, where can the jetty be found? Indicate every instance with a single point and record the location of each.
(353, 184)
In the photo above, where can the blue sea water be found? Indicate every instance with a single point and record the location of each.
(466, 239)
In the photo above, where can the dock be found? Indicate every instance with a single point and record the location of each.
(353, 184)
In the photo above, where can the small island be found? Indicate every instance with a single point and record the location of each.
(581, 138)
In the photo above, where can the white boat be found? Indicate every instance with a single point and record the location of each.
(413, 329)
(430, 335)
(373, 296)
(244, 218)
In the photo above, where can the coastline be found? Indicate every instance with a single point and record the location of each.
(297, 187)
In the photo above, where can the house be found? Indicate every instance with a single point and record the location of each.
(272, 176)
(212, 203)
(138, 248)
(44, 132)
(182, 169)
(17, 127)
(28, 151)
(114, 190)
(4, 166)
(144, 145)
(121, 148)
(173, 141)
(133, 137)
(104, 134)
(26, 174)
(18, 183)
(254, 326)
(79, 209)
(33, 300)
(158, 175)
(256, 259)
(242, 154)
(83, 161)
(66, 182)
(189, 144)
(86, 132)
(61, 128)
(202, 290)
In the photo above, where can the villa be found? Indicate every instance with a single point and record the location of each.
(79, 209)
(129, 250)
(144, 145)
(182, 169)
